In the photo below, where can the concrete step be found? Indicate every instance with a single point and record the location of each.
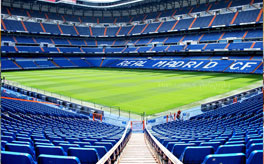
(137, 151)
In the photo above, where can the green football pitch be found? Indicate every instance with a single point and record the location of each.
(150, 91)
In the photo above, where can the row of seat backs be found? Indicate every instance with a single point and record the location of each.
(86, 155)
(204, 154)
(47, 148)
(191, 155)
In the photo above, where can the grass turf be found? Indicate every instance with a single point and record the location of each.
(150, 91)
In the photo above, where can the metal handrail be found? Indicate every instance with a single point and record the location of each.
(254, 90)
(108, 155)
(166, 152)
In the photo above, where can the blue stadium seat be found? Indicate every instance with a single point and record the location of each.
(197, 143)
(255, 157)
(231, 158)
(41, 140)
(57, 143)
(3, 143)
(8, 157)
(107, 145)
(170, 145)
(20, 148)
(214, 144)
(237, 148)
(50, 150)
(81, 144)
(44, 144)
(56, 159)
(166, 141)
(101, 150)
(251, 141)
(22, 142)
(196, 154)
(7, 138)
(179, 148)
(254, 146)
(236, 139)
(86, 155)
(253, 137)
(67, 146)
(235, 142)
(72, 140)
(26, 139)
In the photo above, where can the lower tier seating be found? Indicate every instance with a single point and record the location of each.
(228, 135)
(37, 133)
(236, 64)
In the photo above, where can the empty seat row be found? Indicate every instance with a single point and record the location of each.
(231, 134)
(39, 133)
(183, 24)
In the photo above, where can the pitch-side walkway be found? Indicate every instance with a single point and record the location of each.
(137, 151)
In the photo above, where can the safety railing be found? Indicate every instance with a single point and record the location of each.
(113, 153)
(230, 99)
(162, 153)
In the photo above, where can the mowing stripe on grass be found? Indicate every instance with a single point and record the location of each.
(150, 91)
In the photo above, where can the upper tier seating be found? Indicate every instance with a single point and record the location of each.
(37, 132)
(140, 17)
(242, 17)
(231, 134)
(141, 49)
(31, 44)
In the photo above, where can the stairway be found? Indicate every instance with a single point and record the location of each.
(137, 151)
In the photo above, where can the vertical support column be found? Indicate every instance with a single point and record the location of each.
(234, 18)
(91, 31)
(175, 25)
(25, 28)
(3, 24)
(259, 16)
(118, 30)
(41, 25)
(131, 30)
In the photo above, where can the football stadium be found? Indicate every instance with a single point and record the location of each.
(132, 81)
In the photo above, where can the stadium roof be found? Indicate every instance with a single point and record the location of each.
(111, 4)
(100, 7)
(98, 4)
